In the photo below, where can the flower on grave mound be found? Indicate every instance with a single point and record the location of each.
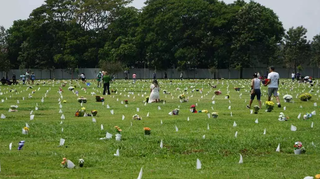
(71, 88)
(214, 114)
(136, 117)
(193, 109)
(217, 92)
(94, 112)
(34, 91)
(203, 111)
(237, 88)
(64, 101)
(298, 148)
(99, 99)
(287, 98)
(64, 163)
(175, 111)
(305, 97)
(81, 162)
(182, 96)
(125, 101)
(256, 109)
(269, 105)
(307, 116)
(147, 131)
(147, 99)
(282, 117)
(118, 130)
(13, 108)
(166, 92)
(82, 100)
(113, 90)
(81, 112)
(227, 96)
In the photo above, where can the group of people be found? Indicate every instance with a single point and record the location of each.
(27, 78)
(272, 82)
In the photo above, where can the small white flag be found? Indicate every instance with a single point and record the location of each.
(94, 120)
(236, 134)
(177, 129)
(112, 112)
(208, 127)
(241, 159)
(70, 164)
(159, 108)
(138, 109)
(101, 126)
(256, 121)
(198, 164)
(117, 154)
(264, 131)
(31, 117)
(27, 125)
(188, 119)
(108, 135)
(251, 111)
(18, 101)
(161, 122)
(234, 124)
(293, 128)
(161, 144)
(62, 142)
(229, 107)
(315, 105)
(311, 124)
(10, 146)
(36, 108)
(231, 114)
(31, 112)
(3, 116)
(61, 129)
(108, 107)
(123, 117)
(204, 137)
(278, 148)
(299, 116)
(209, 116)
(148, 114)
(140, 174)
(63, 117)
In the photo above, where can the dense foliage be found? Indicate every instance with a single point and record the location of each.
(164, 34)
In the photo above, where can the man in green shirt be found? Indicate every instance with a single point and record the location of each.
(106, 82)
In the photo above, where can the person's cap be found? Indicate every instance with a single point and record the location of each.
(255, 74)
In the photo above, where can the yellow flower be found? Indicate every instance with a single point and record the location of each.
(26, 128)
(146, 129)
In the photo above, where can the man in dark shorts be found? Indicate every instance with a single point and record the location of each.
(256, 91)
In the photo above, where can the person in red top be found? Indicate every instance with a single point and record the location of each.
(134, 77)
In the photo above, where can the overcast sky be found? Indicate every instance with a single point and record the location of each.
(292, 13)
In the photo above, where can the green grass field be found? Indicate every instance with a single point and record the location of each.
(219, 152)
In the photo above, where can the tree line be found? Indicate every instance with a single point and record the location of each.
(180, 34)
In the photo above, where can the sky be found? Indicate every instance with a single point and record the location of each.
(292, 13)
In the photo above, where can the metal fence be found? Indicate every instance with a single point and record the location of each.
(91, 73)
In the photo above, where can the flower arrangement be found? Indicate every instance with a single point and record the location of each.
(287, 98)
(13, 108)
(298, 148)
(214, 114)
(227, 96)
(81, 162)
(64, 163)
(282, 117)
(305, 97)
(175, 111)
(203, 111)
(126, 101)
(113, 90)
(25, 130)
(217, 92)
(33, 91)
(82, 100)
(99, 99)
(269, 105)
(94, 112)
(147, 131)
(81, 112)
(237, 88)
(136, 117)
(307, 116)
(71, 88)
(64, 101)
(118, 130)
(182, 96)
(193, 109)
(256, 109)
(147, 99)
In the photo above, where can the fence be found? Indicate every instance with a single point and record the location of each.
(91, 73)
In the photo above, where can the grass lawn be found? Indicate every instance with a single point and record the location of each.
(219, 152)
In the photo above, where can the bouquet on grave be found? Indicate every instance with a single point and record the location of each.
(99, 99)
(214, 114)
(305, 97)
(13, 108)
(147, 131)
(71, 88)
(217, 92)
(82, 100)
(287, 98)
(118, 129)
(94, 112)
(298, 148)
(81, 112)
(269, 105)
(175, 111)
(136, 117)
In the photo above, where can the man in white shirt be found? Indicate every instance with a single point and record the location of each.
(293, 76)
(273, 85)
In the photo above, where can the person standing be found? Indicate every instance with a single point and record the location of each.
(14, 79)
(154, 75)
(181, 76)
(33, 77)
(154, 92)
(27, 77)
(165, 75)
(255, 90)
(83, 77)
(134, 77)
(273, 85)
(99, 78)
(106, 83)
(292, 76)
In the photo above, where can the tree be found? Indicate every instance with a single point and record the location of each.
(257, 31)
(5, 63)
(296, 47)
(315, 50)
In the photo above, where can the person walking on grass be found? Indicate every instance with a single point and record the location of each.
(106, 83)
(33, 77)
(255, 90)
(273, 85)
(99, 78)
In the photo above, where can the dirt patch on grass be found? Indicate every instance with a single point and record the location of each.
(188, 152)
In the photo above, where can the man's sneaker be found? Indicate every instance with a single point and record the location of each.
(279, 105)
(248, 106)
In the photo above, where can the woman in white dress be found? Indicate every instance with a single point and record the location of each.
(154, 95)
